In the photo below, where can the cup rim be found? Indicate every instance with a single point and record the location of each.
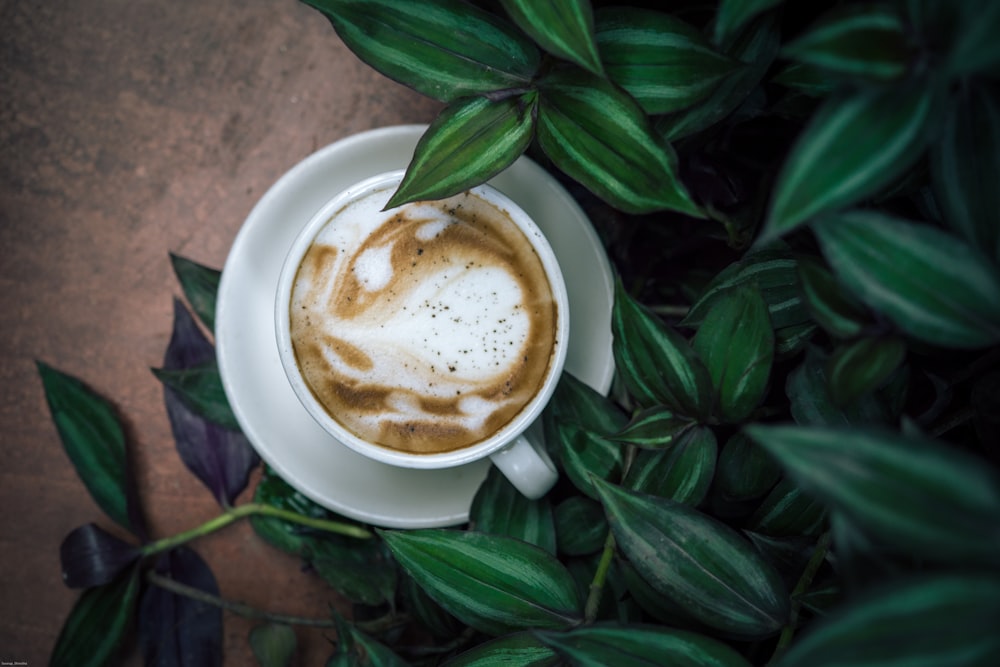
(500, 439)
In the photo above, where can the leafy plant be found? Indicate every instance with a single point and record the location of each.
(798, 462)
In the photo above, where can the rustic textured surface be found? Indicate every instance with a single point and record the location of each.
(129, 130)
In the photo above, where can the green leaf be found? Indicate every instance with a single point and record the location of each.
(657, 364)
(682, 472)
(653, 428)
(931, 621)
(854, 146)
(806, 79)
(584, 453)
(495, 584)
(745, 471)
(499, 508)
(94, 440)
(640, 646)
(564, 28)
(98, 624)
(787, 511)
(774, 271)
(200, 388)
(932, 285)
(925, 499)
(472, 140)
(862, 366)
(575, 401)
(755, 47)
(522, 649)
(663, 62)
(273, 645)
(736, 342)
(445, 49)
(833, 308)
(975, 49)
(357, 649)
(965, 167)
(733, 15)
(599, 135)
(200, 284)
(361, 571)
(705, 566)
(580, 526)
(866, 41)
(808, 390)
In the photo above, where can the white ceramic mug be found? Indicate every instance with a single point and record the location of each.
(517, 450)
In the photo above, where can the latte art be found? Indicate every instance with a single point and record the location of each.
(425, 328)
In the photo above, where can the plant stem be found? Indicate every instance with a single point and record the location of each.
(375, 626)
(234, 514)
(593, 603)
(808, 574)
(238, 608)
(600, 576)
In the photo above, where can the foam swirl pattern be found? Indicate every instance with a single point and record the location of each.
(425, 328)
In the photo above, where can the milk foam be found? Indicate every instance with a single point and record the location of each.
(426, 327)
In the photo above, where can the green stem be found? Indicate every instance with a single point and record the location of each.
(235, 514)
(597, 583)
(801, 587)
(593, 603)
(374, 626)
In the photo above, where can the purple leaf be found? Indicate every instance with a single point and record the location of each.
(91, 556)
(176, 630)
(220, 457)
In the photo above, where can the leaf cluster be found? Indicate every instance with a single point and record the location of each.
(797, 464)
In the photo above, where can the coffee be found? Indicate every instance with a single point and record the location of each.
(425, 328)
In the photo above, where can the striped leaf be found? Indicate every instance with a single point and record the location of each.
(564, 28)
(580, 526)
(932, 285)
(774, 271)
(656, 363)
(830, 304)
(920, 497)
(756, 48)
(469, 142)
(965, 167)
(585, 454)
(733, 15)
(654, 428)
(811, 401)
(736, 342)
(445, 49)
(500, 509)
(638, 645)
(682, 472)
(867, 41)
(853, 147)
(787, 512)
(744, 470)
(863, 365)
(931, 621)
(706, 567)
(494, 584)
(600, 136)
(663, 62)
(522, 648)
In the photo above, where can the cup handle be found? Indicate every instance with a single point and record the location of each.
(527, 465)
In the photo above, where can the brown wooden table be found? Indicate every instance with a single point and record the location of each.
(130, 130)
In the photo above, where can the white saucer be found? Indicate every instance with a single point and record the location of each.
(277, 425)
